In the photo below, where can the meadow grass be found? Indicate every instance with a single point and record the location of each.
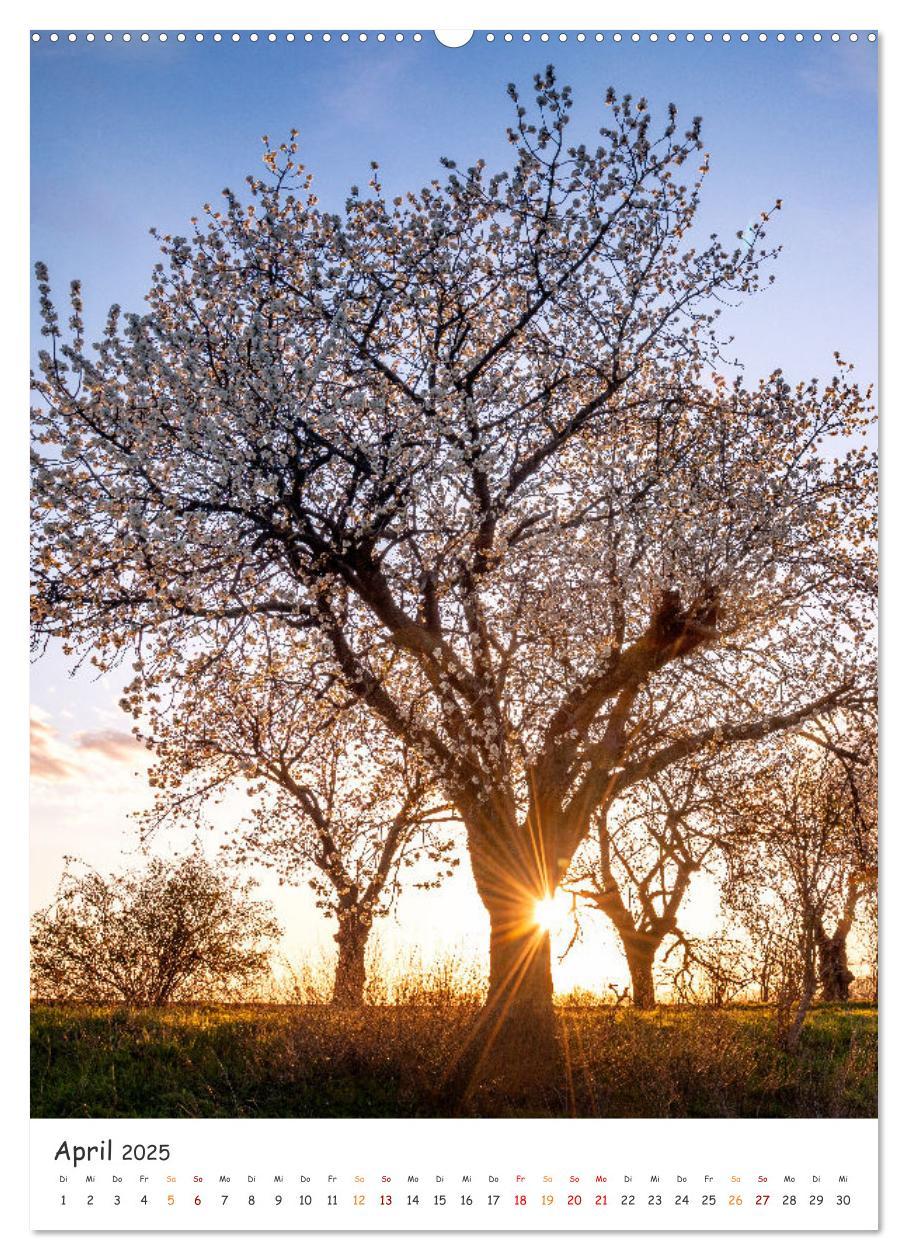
(388, 1060)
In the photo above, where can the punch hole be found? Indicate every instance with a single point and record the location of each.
(453, 39)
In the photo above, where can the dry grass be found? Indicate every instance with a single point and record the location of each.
(390, 1060)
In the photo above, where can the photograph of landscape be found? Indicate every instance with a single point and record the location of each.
(454, 574)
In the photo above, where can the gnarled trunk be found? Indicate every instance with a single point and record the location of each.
(832, 950)
(352, 935)
(832, 965)
(513, 1044)
(640, 952)
(520, 967)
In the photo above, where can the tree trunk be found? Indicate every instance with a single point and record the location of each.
(791, 1035)
(832, 951)
(350, 972)
(512, 1048)
(835, 976)
(765, 983)
(640, 952)
(520, 969)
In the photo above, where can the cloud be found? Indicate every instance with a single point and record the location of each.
(55, 760)
(50, 758)
(117, 745)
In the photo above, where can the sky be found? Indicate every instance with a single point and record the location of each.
(126, 137)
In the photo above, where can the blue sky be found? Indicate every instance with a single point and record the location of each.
(129, 136)
(126, 136)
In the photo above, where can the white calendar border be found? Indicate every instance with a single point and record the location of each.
(530, 15)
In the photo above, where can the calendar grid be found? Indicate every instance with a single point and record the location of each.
(418, 1175)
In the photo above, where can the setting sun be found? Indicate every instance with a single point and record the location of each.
(551, 913)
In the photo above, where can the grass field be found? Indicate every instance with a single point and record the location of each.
(283, 1061)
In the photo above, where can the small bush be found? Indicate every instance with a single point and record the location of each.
(173, 929)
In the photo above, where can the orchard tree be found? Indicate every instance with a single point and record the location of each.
(478, 442)
(334, 803)
(646, 852)
(177, 930)
(851, 778)
(810, 861)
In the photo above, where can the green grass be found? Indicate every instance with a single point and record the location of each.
(283, 1061)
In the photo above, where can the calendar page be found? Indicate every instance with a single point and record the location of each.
(453, 729)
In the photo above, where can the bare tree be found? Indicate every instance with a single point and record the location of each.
(476, 441)
(176, 930)
(646, 851)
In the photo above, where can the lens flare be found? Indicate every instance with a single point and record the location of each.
(548, 914)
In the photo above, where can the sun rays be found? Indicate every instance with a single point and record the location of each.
(551, 914)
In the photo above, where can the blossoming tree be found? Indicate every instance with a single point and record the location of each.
(478, 441)
(334, 803)
(810, 861)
